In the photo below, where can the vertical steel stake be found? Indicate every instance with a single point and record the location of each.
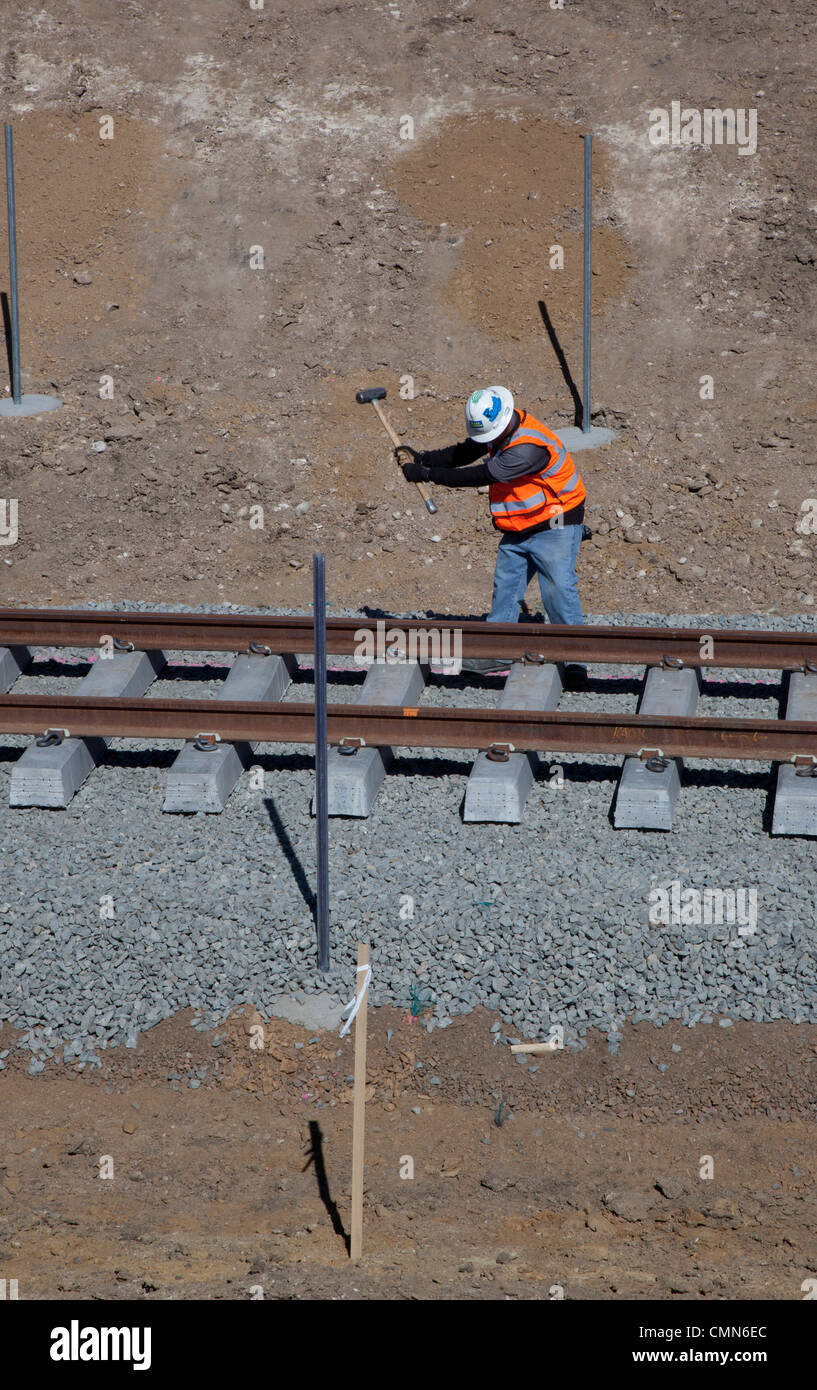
(15, 313)
(321, 754)
(588, 224)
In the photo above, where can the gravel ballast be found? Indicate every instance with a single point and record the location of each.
(548, 922)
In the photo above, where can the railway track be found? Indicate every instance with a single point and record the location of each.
(639, 646)
(759, 740)
(507, 739)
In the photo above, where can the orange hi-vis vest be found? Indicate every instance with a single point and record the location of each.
(536, 497)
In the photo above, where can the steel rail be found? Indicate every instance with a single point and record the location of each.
(422, 727)
(700, 647)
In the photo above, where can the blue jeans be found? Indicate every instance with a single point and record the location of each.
(550, 554)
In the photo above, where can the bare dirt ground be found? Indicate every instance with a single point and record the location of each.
(590, 1188)
(280, 132)
(387, 257)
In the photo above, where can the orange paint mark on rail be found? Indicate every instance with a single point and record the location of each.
(411, 713)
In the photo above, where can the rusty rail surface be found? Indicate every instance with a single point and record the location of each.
(779, 651)
(760, 740)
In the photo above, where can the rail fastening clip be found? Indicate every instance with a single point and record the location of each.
(805, 765)
(52, 737)
(653, 759)
(206, 743)
(348, 746)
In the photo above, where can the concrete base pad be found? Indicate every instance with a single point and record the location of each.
(318, 1011)
(29, 405)
(646, 800)
(51, 776)
(498, 791)
(355, 779)
(13, 661)
(575, 438)
(203, 781)
(795, 802)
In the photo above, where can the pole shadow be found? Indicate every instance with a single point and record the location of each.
(562, 360)
(316, 1157)
(4, 300)
(291, 855)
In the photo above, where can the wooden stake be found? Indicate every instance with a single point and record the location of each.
(538, 1048)
(359, 1117)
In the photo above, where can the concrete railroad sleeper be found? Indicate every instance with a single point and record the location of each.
(499, 731)
(644, 646)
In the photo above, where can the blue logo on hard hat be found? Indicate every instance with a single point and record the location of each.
(491, 412)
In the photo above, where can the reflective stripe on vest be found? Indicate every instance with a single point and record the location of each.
(519, 505)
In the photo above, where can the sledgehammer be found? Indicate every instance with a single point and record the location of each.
(374, 395)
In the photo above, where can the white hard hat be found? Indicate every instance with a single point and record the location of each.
(488, 413)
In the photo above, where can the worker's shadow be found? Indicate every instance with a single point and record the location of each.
(562, 360)
(316, 1157)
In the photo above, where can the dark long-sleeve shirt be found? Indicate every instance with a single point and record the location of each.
(448, 467)
(456, 466)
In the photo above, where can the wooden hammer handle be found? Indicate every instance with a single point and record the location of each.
(393, 436)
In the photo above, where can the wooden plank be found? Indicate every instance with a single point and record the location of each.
(359, 1116)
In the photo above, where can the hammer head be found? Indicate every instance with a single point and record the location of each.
(372, 393)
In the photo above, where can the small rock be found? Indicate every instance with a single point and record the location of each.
(81, 277)
(498, 1179)
(123, 431)
(672, 1188)
(630, 1206)
(129, 1127)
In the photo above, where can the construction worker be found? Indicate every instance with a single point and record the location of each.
(537, 505)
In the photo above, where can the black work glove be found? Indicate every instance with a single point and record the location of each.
(415, 471)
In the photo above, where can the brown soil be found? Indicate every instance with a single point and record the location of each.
(388, 258)
(591, 1184)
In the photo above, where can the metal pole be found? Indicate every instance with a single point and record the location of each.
(15, 319)
(321, 754)
(588, 223)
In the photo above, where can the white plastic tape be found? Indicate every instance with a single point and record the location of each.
(354, 1004)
